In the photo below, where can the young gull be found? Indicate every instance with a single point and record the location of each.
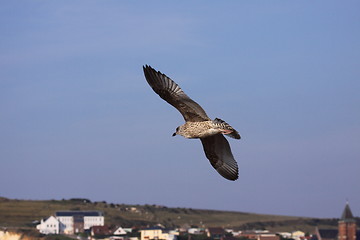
(197, 124)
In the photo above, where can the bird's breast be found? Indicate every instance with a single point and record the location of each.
(199, 129)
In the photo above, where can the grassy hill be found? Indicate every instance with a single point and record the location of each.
(21, 213)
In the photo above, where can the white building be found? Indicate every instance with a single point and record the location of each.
(197, 231)
(70, 222)
(285, 234)
(49, 226)
(78, 221)
(120, 231)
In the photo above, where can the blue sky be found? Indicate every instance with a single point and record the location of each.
(78, 118)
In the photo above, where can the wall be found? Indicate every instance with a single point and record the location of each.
(6, 235)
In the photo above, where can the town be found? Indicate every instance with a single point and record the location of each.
(91, 225)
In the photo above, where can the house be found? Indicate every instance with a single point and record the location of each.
(100, 231)
(268, 236)
(326, 234)
(128, 230)
(116, 238)
(259, 235)
(78, 221)
(70, 222)
(157, 233)
(49, 226)
(215, 232)
(173, 234)
(284, 234)
(236, 233)
(297, 235)
(247, 234)
(196, 231)
(120, 231)
(151, 233)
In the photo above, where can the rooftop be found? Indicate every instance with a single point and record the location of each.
(78, 213)
(347, 214)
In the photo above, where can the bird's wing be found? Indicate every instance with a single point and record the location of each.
(217, 150)
(168, 90)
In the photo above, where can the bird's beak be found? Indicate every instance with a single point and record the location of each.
(174, 134)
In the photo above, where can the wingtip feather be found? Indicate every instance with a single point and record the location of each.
(229, 172)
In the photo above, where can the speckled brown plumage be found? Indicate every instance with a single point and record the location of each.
(197, 124)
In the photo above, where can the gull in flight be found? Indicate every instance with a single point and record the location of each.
(197, 124)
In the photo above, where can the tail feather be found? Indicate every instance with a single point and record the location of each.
(224, 125)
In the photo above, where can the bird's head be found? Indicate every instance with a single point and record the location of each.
(176, 132)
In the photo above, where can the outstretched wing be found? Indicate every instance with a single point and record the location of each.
(217, 150)
(168, 90)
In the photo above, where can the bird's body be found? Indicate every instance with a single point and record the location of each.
(204, 129)
(198, 129)
(197, 124)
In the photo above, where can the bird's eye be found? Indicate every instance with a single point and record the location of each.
(177, 129)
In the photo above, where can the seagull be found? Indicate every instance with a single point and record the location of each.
(197, 124)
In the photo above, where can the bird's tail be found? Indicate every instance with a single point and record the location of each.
(227, 129)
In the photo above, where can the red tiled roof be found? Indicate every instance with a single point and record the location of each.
(100, 230)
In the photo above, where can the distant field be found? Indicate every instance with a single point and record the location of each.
(22, 213)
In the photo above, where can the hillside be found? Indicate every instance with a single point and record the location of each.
(22, 213)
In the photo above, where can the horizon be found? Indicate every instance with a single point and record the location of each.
(150, 204)
(79, 119)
